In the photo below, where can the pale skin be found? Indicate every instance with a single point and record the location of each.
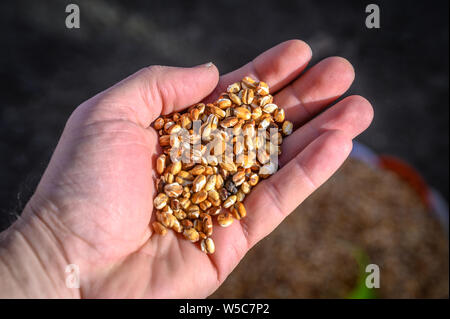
(93, 205)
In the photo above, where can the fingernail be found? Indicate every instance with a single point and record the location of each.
(206, 65)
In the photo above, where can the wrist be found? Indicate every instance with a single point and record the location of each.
(32, 261)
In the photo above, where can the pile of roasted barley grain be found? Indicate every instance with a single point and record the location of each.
(360, 208)
(213, 155)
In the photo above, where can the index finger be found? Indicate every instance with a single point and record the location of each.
(277, 66)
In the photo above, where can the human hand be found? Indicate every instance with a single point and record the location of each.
(94, 203)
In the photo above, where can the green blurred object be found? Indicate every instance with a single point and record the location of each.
(361, 291)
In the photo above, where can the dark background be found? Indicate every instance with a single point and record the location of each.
(46, 70)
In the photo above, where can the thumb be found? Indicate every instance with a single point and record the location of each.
(152, 91)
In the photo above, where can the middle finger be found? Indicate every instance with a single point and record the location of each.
(318, 87)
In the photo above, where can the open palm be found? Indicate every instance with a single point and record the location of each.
(97, 192)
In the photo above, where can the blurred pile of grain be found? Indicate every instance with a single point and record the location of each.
(311, 254)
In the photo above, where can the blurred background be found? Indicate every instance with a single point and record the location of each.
(46, 70)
